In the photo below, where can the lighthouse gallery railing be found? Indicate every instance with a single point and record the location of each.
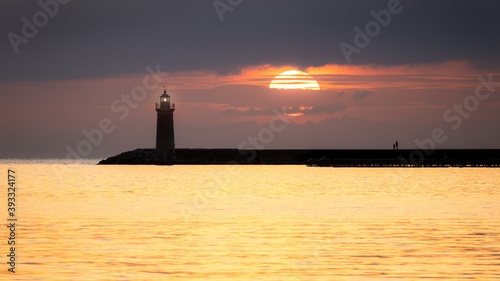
(158, 105)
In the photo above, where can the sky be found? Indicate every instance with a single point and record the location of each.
(73, 73)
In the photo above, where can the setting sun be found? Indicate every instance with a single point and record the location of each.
(294, 80)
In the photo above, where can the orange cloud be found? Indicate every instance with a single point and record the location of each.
(447, 75)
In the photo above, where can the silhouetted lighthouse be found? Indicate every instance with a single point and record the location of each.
(165, 143)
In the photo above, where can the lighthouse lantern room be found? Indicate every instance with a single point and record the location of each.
(165, 141)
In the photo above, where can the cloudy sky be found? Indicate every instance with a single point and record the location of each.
(388, 70)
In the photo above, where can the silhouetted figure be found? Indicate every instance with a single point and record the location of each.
(397, 145)
(393, 146)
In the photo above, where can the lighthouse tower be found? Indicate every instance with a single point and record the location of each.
(165, 143)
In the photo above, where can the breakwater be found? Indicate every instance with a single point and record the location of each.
(315, 157)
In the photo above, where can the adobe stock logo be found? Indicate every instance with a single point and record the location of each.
(122, 106)
(453, 115)
(40, 19)
(221, 7)
(362, 38)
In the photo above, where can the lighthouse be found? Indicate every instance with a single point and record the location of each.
(165, 142)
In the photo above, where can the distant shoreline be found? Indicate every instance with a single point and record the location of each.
(314, 157)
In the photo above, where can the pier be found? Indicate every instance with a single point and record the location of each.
(315, 157)
(410, 158)
(166, 153)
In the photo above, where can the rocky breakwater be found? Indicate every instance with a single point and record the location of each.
(138, 157)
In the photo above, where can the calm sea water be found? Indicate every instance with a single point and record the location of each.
(81, 221)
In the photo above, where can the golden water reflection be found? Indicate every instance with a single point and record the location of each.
(88, 222)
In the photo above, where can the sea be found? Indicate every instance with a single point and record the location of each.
(81, 221)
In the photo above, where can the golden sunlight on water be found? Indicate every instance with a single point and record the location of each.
(89, 222)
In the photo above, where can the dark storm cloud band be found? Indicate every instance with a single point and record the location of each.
(109, 38)
(372, 29)
(40, 19)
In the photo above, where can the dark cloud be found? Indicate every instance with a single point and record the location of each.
(328, 108)
(316, 109)
(117, 37)
(359, 95)
(249, 111)
(302, 109)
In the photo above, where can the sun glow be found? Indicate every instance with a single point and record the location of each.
(294, 80)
